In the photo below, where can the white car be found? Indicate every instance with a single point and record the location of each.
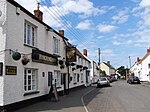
(103, 81)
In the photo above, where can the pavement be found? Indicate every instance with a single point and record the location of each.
(73, 102)
(147, 84)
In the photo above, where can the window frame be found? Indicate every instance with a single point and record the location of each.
(56, 45)
(148, 65)
(30, 34)
(30, 80)
(57, 73)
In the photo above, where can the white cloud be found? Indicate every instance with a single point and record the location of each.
(104, 28)
(116, 43)
(121, 17)
(30, 5)
(84, 25)
(100, 37)
(145, 3)
(135, 0)
(84, 8)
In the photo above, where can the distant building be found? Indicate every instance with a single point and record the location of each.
(141, 68)
(108, 68)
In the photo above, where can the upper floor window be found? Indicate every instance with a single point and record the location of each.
(56, 46)
(29, 34)
(149, 65)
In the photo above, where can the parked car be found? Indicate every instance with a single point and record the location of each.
(110, 78)
(133, 80)
(103, 81)
(114, 78)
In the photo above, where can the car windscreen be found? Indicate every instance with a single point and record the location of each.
(102, 79)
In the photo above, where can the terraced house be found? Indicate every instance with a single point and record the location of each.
(33, 57)
(141, 68)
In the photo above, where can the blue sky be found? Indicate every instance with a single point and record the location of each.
(120, 28)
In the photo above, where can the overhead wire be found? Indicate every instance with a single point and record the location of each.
(64, 18)
(55, 14)
(58, 20)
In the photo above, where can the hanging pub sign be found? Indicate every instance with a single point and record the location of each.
(71, 54)
(11, 70)
(1, 69)
(43, 57)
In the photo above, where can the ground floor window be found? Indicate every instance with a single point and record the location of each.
(30, 79)
(75, 78)
(81, 77)
(57, 78)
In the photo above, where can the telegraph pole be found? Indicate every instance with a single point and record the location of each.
(130, 61)
(99, 61)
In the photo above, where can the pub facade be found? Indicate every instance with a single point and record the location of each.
(33, 57)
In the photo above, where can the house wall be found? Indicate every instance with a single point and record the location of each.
(2, 44)
(94, 72)
(112, 71)
(105, 68)
(79, 71)
(145, 70)
(14, 84)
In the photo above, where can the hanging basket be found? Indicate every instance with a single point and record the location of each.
(61, 62)
(16, 56)
(25, 60)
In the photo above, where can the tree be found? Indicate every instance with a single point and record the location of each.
(123, 71)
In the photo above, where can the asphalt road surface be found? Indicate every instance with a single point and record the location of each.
(120, 97)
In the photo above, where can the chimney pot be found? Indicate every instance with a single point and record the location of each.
(61, 32)
(85, 52)
(138, 59)
(38, 13)
(148, 50)
(108, 62)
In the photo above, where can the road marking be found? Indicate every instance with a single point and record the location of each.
(83, 100)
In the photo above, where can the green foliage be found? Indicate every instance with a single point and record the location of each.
(122, 70)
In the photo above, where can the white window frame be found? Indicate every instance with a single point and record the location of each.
(75, 78)
(57, 78)
(148, 65)
(30, 31)
(56, 46)
(30, 79)
(82, 78)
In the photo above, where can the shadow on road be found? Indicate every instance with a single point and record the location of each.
(67, 103)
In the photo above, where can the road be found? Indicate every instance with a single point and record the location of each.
(120, 97)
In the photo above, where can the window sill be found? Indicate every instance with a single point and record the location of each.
(57, 55)
(31, 93)
(58, 87)
(29, 46)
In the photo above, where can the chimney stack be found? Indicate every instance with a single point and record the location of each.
(138, 59)
(108, 62)
(148, 50)
(61, 32)
(85, 52)
(38, 13)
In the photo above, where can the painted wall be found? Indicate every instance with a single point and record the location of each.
(3, 25)
(105, 68)
(14, 84)
(145, 70)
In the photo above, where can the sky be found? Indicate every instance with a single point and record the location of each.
(120, 28)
